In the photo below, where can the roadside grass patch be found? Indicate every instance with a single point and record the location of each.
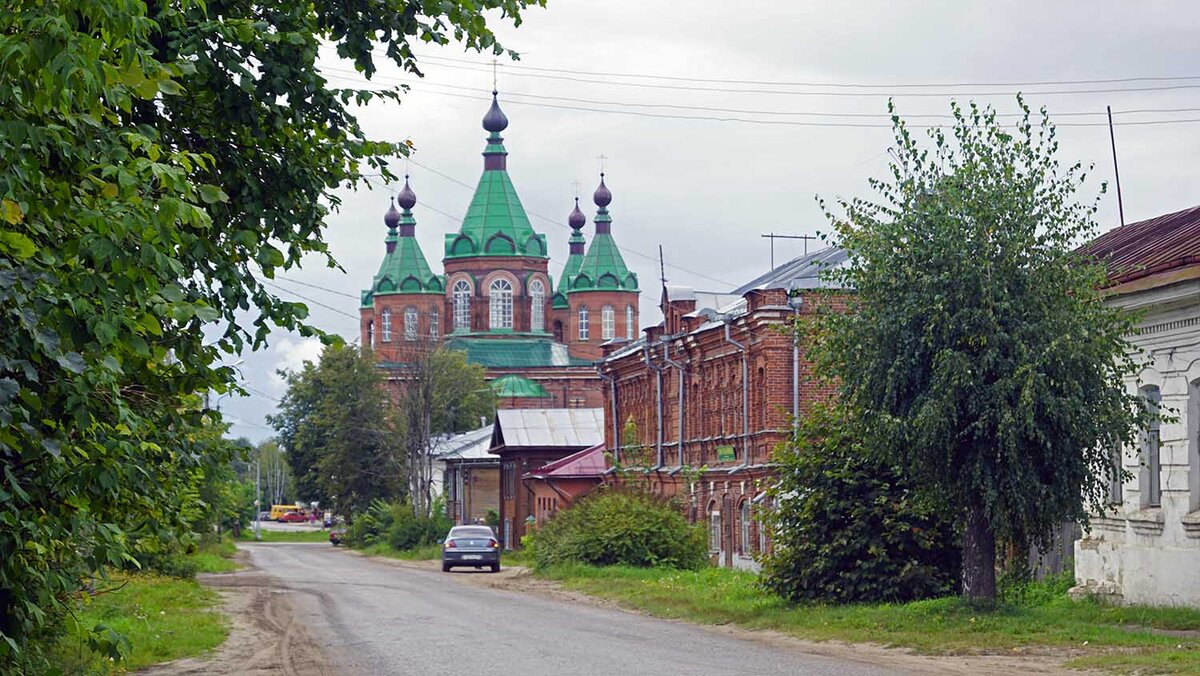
(163, 618)
(215, 557)
(287, 536)
(1114, 637)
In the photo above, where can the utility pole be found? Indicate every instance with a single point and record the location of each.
(1116, 171)
(772, 236)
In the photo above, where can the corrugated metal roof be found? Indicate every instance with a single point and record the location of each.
(799, 273)
(590, 462)
(1150, 246)
(549, 427)
(471, 445)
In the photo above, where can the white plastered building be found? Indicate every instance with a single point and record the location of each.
(1146, 548)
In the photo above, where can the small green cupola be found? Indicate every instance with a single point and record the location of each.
(574, 256)
(404, 269)
(496, 224)
(603, 268)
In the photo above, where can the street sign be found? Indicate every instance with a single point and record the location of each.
(726, 453)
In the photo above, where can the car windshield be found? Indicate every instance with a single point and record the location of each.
(473, 532)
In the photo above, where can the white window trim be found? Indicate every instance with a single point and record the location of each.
(500, 304)
(385, 326)
(537, 309)
(460, 299)
(584, 327)
(608, 322)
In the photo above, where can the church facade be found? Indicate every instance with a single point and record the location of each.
(495, 299)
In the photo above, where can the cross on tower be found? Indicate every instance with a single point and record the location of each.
(603, 159)
(575, 184)
(495, 66)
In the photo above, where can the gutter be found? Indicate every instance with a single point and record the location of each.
(658, 433)
(745, 390)
(612, 382)
(682, 374)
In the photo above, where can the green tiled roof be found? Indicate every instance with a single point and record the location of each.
(570, 269)
(404, 269)
(514, 352)
(603, 268)
(518, 386)
(496, 224)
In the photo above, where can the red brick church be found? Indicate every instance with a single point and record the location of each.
(495, 299)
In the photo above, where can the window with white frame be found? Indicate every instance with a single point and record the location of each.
(500, 304)
(629, 327)
(462, 305)
(744, 528)
(385, 326)
(1150, 470)
(714, 529)
(608, 322)
(370, 334)
(537, 306)
(583, 323)
(410, 323)
(1194, 446)
(435, 324)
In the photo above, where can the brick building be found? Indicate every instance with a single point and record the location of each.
(557, 484)
(702, 399)
(495, 299)
(527, 440)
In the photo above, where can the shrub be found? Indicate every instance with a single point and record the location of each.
(851, 528)
(620, 527)
(395, 524)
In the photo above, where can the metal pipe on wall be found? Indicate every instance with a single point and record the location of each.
(682, 375)
(658, 426)
(745, 391)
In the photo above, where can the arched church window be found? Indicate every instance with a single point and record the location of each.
(385, 326)
(583, 323)
(500, 305)
(629, 327)
(410, 323)
(435, 323)
(537, 310)
(462, 305)
(608, 322)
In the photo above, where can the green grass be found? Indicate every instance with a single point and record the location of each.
(287, 535)
(164, 619)
(1113, 637)
(215, 557)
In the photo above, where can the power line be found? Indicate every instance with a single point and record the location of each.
(777, 83)
(744, 111)
(318, 287)
(854, 94)
(310, 300)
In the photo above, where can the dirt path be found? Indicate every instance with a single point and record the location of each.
(1030, 661)
(265, 639)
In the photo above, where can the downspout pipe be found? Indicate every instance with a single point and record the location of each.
(795, 301)
(658, 396)
(682, 375)
(612, 383)
(745, 390)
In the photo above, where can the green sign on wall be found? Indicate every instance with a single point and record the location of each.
(726, 453)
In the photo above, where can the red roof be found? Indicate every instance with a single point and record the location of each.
(588, 463)
(1151, 246)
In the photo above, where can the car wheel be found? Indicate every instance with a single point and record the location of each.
(495, 568)
(445, 568)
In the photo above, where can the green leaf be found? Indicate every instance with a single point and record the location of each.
(17, 245)
(211, 194)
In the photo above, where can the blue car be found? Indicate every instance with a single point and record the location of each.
(474, 546)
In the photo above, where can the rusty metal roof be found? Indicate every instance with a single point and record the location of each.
(1148, 247)
(588, 463)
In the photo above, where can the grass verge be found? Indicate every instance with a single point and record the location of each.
(287, 535)
(163, 618)
(1121, 639)
(215, 557)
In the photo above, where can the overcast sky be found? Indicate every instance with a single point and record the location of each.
(707, 189)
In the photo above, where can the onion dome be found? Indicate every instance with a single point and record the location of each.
(392, 218)
(576, 220)
(602, 197)
(407, 198)
(495, 121)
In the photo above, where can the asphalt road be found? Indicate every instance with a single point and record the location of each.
(374, 617)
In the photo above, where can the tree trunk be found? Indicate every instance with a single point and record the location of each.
(979, 557)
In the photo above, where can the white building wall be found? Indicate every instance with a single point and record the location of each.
(1151, 554)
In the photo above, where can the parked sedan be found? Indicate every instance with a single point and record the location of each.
(474, 546)
(294, 517)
